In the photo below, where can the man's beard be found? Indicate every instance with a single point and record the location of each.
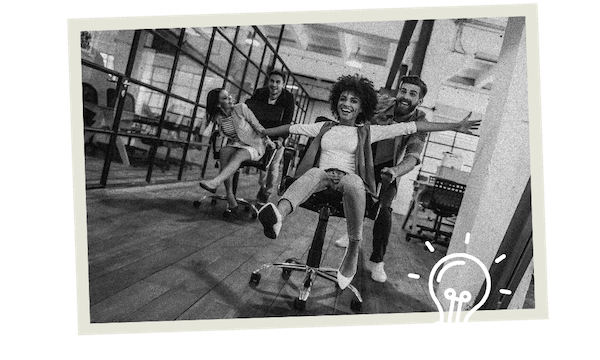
(401, 110)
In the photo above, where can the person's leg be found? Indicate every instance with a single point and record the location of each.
(381, 233)
(231, 159)
(226, 155)
(262, 180)
(383, 223)
(354, 199)
(267, 179)
(300, 190)
(273, 172)
(272, 216)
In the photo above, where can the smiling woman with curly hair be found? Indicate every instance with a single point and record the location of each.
(340, 158)
(362, 88)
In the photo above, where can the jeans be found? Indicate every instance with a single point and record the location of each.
(350, 185)
(267, 179)
(382, 226)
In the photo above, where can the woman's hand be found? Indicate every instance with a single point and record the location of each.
(269, 142)
(466, 125)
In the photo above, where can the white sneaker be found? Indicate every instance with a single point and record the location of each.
(342, 241)
(377, 272)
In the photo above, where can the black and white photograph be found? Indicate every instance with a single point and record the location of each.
(327, 170)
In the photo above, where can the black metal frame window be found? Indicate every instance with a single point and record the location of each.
(145, 94)
(439, 143)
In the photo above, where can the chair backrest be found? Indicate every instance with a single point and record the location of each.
(111, 99)
(446, 197)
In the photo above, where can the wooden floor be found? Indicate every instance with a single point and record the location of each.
(153, 256)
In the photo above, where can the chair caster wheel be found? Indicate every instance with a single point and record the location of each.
(254, 216)
(407, 238)
(196, 204)
(356, 305)
(299, 304)
(226, 214)
(254, 279)
(213, 202)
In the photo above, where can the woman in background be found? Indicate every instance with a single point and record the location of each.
(246, 140)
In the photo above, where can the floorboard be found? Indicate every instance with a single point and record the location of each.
(152, 256)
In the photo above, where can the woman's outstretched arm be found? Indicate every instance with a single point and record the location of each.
(465, 126)
(282, 130)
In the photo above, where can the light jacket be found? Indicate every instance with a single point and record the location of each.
(247, 127)
(363, 156)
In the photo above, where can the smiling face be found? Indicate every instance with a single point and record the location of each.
(275, 85)
(225, 102)
(408, 98)
(348, 108)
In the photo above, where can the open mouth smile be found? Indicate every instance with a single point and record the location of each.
(346, 111)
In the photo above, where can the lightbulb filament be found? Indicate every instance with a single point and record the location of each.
(456, 302)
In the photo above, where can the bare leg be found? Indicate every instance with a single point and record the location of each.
(231, 159)
(228, 154)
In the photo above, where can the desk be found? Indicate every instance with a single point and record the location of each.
(420, 186)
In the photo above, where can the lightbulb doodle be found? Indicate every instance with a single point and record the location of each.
(451, 333)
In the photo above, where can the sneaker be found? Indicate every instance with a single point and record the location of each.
(342, 241)
(377, 272)
(270, 218)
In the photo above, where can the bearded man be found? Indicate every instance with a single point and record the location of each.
(394, 158)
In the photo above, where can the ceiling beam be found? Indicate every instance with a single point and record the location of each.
(407, 31)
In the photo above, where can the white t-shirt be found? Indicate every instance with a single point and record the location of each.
(338, 145)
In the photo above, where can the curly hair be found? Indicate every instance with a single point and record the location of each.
(362, 87)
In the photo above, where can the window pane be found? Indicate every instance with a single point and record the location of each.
(154, 60)
(107, 48)
(430, 165)
(250, 80)
(140, 118)
(258, 50)
(465, 141)
(221, 52)
(236, 70)
(245, 39)
(187, 78)
(197, 41)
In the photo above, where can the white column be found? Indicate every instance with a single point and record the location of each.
(501, 168)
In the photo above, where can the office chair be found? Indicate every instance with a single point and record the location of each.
(446, 197)
(261, 164)
(327, 203)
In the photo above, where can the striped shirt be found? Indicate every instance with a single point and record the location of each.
(228, 128)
